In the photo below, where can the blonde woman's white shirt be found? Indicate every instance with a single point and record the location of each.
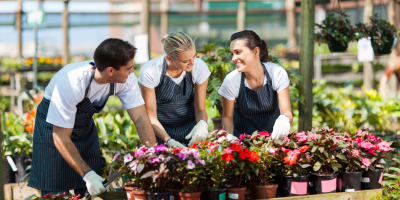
(231, 85)
(67, 88)
(150, 74)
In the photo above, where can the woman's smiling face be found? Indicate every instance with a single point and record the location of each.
(185, 60)
(243, 56)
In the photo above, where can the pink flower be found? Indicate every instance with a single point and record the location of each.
(155, 160)
(355, 153)
(272, 150)
(371, 151)
(287, 139)
(384, 146)
(116, 157)
(359, 133)
(378, 139)
(140, 152)
(221, 139)
(366, 145)
(263, 133)
(372, 137)
(296, 152)
(159, 148)
(212, 147)
(241, 137)
(191, 165)
(228, 150)
(359, 140)
(312, 136)
(128, 158)
(366, 162)
(182, 156)
(200, 161)
(301, 136)
(214, 132)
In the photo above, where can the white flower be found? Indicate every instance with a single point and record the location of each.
(191, 165)
(128, 158)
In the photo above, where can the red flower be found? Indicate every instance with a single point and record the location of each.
(45, 196)
(227, 157)
(244, 154)
(291, 159)
(236, 147)
(253, 156)
(304, 148)
(176, 150)
(285, 150)
(195, 144)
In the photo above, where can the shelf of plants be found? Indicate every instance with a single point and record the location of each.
(318, 161)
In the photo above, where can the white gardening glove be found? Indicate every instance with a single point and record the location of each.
(94, 183)
(173, 143)
(281, 127)
(232, 138)
(198, 133)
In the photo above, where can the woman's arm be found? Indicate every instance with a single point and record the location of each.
(200, 101)
(227, 116)
(149, 97)
(284, 104)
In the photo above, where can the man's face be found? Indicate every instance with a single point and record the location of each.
(121, 75)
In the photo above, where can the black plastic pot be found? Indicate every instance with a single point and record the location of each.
(322, 184)
(158, 196)
(349, 181)
(8, 174)
(215, 194)
(372, 179)
(22, 162)
(336, 46)
(293, 186)
(386, 47)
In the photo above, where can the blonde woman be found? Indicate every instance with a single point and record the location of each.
(174, 89)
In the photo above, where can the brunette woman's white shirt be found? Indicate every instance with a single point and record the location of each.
(67, 88)
(150, 74)
(231, 85)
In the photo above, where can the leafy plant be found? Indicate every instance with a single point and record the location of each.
(335, 29)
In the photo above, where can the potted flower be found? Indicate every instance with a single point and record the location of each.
(326, 150)
(336, 31)
(381, 32)
(187, 171)
(373, 150)
(349, 179)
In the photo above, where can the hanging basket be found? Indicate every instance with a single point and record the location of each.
(336, 46)
(386, 47)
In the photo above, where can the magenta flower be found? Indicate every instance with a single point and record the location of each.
(194, 152)
(200, 161)
(384, 146)
(155, 160)
(116, 157)
(359, 140)
(182, 156)
(228, 150)
(191, 165)
(159, 148)
(372, 137)
(371, 151)
(128, 158)
(359, 133)
(366, 162)
(241, 137)
(212, 147)
(355, 153)
(366, 145)
(263, 133)
(140, 152)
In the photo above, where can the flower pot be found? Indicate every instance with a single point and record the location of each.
(189, 196)
(236, 193)
(321, 183)
(203, 193)
(293, 186)
(336, 46)
(8, 173)
(263, 191)
(372, 179)
(129, 189)
(22, 162)
(159, 196)
(349, 181)
(174, 195)
(386, 47)
(217, 123)
(139, 195)
(215, 194)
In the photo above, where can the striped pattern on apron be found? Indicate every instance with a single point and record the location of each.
(50, 171)
(175, 106)
(255, 110)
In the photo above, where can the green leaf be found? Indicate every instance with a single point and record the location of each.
(314, 149)
(321, 149)
(317, 166)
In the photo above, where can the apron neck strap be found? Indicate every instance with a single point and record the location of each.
(91, 78)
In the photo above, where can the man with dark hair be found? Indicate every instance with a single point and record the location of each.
(66, 151)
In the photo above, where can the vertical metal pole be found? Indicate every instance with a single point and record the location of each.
(306, 63)
(145, 21)
(65, 25)
(164, 17)
(18, 24)
(241, 15)
(291, 24)
(35, 64)
(368, 70)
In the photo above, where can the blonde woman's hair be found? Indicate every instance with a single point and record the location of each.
(177, 42)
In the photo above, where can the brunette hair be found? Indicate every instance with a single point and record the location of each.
(114, 53)
(252, 41)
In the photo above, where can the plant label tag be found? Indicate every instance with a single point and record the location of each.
(233, 196)
(365, 180)
(365, 50)
(12, 164)
(128, 195)
(222, 196)
(171, 198)
(349, 190)
(138, 199)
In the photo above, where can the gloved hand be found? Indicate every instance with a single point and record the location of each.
(281, 127)
(94, 183)
(173, 143)
(231, 137)
(198, 133)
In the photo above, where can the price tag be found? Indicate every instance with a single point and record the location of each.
(233, 196)
(171, 198)
(222, 196)
(365, 180)
(349, 190)
(128, 195)
(365, 50)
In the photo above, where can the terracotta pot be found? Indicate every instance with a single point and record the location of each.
(159, 196)
(139, 195)
(236, 193)
(128, 189)
(174, 195)
(263, 191)
(189, 196)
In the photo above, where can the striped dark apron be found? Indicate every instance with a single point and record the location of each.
(175, 106)
(255, 110)
(50, 171)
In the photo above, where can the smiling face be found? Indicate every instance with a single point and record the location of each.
(242, 56)
(121, 75)
(184, 60)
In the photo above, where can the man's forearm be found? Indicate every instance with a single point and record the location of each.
(70, 153)
(201, 114)
(145, 131)
(227, 125)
